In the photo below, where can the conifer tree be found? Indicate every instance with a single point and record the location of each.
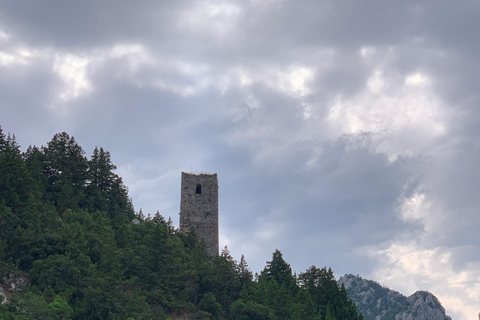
(66, 224)
(66, 171)
(35, 163)
(14, 178)
(245, 274)
(2, 139)
(279, 270)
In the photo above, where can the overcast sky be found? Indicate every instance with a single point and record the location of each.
(344, 133)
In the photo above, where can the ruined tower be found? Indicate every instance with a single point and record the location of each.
(199, 208)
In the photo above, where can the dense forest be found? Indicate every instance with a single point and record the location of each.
(67, 225)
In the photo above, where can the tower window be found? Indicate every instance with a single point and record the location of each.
(199, 188)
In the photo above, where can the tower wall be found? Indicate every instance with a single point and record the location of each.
(199, 208)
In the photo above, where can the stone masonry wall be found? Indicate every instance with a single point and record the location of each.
(199, 208)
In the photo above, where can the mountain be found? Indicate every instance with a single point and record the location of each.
(376, 302)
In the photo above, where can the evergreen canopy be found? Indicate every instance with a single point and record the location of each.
(66, 226)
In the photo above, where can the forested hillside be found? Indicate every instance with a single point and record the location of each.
(69, 231)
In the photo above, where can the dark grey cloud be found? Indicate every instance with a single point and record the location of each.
(84, 24)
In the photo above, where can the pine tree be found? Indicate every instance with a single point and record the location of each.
(67, 222)
(279, 270)
(35, 164)
(2, 139)
(105, 190)
(14, 178)
(245, 274)
(65, 170)
(326, 295)
(229, 285)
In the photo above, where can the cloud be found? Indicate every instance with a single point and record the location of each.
(72, 70)
(8, 59)
(408, 265)
(416, 80)
(210, 18)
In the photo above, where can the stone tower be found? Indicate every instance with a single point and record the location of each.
(199, 208)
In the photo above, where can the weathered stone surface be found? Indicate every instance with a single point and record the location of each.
(380, 303)
(199, 208)
(3, 296)
(12, 282)
(423, 306)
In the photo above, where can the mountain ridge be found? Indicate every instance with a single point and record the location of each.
(377, 302)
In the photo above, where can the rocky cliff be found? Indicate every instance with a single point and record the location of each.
(10, 280)
(376, 302)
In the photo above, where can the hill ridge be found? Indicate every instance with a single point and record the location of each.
(377, 302)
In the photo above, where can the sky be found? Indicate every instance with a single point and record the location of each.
(344, 133)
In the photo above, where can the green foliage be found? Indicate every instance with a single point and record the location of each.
(3, 246)
(59, 309)
(328, 299)
(250, 310)
(66, 223)
(14, 178)
(209, 304)
(279, 270)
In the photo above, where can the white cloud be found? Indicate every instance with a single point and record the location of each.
(293, 80)
(414, 208)
(244, 78)
(73, 70)
(417, 80)
(407, 267)
(252, 102)
(375, 83)
(296, 81)
(4, 36)
(414, 261)
(397, 115)
(183, 90)
(190, 78)
(307, 110)
(121, 50)
(211, 18)
(367, 51)
(21, 56)
(269, 231)
(76, 71)
(7, 59)
(135, 56)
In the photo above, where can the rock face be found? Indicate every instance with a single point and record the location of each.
(10, 283)
(380, 303)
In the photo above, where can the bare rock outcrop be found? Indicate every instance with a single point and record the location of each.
(10, 283)
(423, 306)
(377, 302)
